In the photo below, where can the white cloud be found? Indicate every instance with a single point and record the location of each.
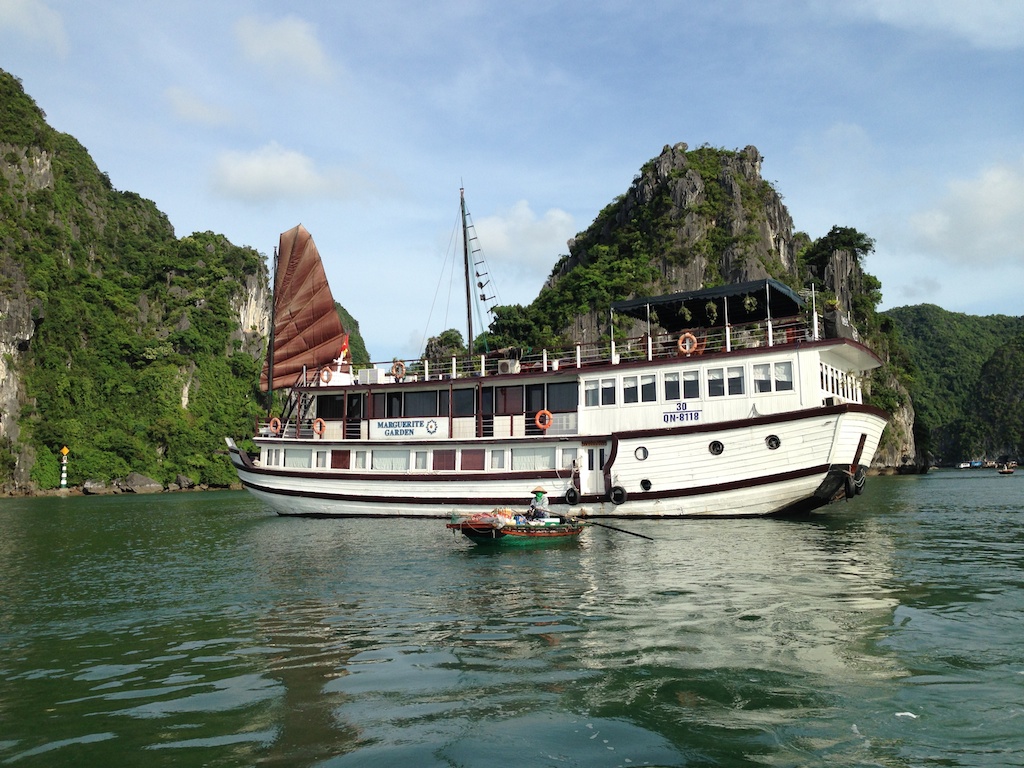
(190, 108)
(523, 245)
(980, 220)
(283, 46)
(273, 173)
(988, 24)
(35, 21)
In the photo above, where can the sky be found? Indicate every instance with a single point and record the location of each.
(903, 119)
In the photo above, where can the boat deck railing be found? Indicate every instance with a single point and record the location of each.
(647, 347)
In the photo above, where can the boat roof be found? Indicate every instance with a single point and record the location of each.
(782, 301)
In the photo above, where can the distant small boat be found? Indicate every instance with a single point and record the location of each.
(1006, 469)
(505, 526)
(964, 465)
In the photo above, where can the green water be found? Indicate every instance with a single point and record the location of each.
(200, 630)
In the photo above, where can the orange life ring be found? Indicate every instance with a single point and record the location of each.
(275, 426)
(544, 419)
(319, 425)
(688, 344)
(398, 369)
(325, 375)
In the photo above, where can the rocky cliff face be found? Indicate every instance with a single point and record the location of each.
(706, 215)
(898, 452)
(252, 308)
(694, 218)
(18, 317)
(24, 172)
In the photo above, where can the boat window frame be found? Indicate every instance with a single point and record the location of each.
(631, 389)
(472, 459)
(460, 397)
(695, 380)
(648, 387)
(666, 378)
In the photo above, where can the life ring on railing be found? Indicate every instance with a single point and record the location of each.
(688, 344)
(543, 420)
(319, 425)
(325, 375)
(275, 426)
(572, 497)
(398, 369)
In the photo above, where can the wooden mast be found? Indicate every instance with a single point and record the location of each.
(465, 256)
(270, 346)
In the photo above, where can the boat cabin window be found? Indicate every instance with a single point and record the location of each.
(568, 458)
(630, 390)
(590, 393)
(341, 459)
(773, 377)
(533, 457)
(535, 398)
(722, 381)
(762, 375)
(473, 458)
(497, 459)
(607, 391)
(421, 403)
(784, 377)
(300, 458)
(420, 459)
(671, 386)
(463, 403)
(356, 406)
(736, 380)
(716, 382)
(563, 398)
(444, 459)
(691, 384)
(648, 388)
(508, 401)
(391, 460)
(360, 460)
(394, 405)
(330, 406)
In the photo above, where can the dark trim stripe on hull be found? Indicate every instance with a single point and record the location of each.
(484, 501)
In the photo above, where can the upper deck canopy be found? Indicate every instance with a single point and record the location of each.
(771, 299)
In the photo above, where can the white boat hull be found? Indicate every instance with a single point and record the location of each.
(790, 463)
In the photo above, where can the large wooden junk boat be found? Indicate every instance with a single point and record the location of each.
(743, 409)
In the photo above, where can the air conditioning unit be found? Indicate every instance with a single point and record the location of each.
(371, 376)
(508, 366)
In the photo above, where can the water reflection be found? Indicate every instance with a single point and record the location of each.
(207, 632)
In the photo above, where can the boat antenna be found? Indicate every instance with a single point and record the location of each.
(465, 256)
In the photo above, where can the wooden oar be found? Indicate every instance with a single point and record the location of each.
(620, 530)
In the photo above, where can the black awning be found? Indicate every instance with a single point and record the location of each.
(740, 302)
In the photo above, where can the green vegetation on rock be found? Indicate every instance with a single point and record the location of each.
(128, 349)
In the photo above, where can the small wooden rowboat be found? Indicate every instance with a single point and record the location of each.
(504, 526)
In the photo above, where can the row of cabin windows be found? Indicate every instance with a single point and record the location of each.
(439, 459)
(508, 400)
(688, 385)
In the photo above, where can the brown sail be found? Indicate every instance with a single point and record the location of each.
(307, 331)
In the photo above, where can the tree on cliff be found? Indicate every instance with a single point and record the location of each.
(124, 343)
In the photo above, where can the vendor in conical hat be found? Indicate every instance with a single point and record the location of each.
(539, 504)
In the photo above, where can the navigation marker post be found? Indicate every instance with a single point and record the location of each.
(64, 467)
